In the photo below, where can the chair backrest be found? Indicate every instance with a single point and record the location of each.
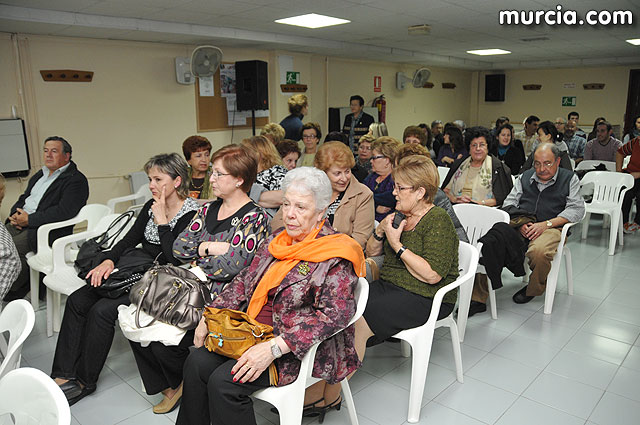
(478, 219)
(32, 397)
(607, 186)
(18, 319)
(590, 164)
(442, 171)
(92, 213)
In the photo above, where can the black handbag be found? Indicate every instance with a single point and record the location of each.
(90, 254)
(129, 269)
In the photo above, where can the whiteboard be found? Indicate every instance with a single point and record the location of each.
(14, 153)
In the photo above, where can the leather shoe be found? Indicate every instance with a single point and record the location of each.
(476, 307)
(521, 296)
(168, 404)
(76, 397)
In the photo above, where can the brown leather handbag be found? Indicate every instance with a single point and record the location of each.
(233, 332)
(172, 295)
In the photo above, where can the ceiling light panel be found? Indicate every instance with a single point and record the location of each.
(312, 20)
(488, 52)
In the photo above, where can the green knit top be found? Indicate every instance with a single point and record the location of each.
(434, 238)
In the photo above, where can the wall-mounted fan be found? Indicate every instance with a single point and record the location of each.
(205, 61)
(420, 77)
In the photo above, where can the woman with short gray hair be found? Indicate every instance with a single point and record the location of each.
(301, 282)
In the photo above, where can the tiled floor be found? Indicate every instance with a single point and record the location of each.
(580, 365)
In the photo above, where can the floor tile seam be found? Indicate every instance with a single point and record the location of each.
(579, 382)
(622, 395)
(461, 413)
(595, 406)
(560, 410)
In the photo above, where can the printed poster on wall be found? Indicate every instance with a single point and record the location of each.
(228, 79)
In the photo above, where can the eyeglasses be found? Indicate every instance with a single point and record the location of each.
(377, 157)
(400, 188)
(365, 148)
(309, 136)
(545, 164)
(217, 174)
(479, 146)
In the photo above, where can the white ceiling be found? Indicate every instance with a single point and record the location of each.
(378, 28)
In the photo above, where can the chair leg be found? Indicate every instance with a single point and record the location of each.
(613, 232)
(492, 303)
(569, 269)
(421, 351)
(50, 302)
(552, 282)
(348, 398)
(620, 229)
(466, 291)
(57, 307)
(585, 225)
(405, 348)
(34, 282)
(457, 353)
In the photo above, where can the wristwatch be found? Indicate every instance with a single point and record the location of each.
(400, 252)
(275, 349)
(549, 224)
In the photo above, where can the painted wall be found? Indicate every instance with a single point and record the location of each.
(546, 103)
(134, 107)
(406, 107)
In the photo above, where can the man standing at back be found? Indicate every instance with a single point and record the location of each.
(357, 123)
(55, 193)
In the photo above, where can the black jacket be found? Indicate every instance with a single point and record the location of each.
(502, 246)
(62, 201)
(361, 127)
(513, 158)
(501, 182)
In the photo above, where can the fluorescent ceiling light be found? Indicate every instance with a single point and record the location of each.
(312, 20)
(634, 41)
(488, 52)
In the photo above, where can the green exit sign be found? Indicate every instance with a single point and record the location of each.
(293, 77)
(568, 100)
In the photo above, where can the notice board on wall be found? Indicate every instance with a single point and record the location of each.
(211, 111)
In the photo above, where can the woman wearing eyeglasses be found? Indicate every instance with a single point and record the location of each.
(380, 180)
(221, 239)
(311, 135)
(480, 178)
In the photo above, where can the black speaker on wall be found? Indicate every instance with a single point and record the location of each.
(252, 85)
(494, 88)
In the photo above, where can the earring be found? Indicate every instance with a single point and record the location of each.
(237, 184)
(176, 186)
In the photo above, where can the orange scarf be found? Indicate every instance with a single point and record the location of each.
(309, 249)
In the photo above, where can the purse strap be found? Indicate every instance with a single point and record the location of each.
(110, 239)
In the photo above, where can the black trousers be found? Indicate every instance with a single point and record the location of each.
(209, 395)
(86, 334)
(633, 193)
(161, 366)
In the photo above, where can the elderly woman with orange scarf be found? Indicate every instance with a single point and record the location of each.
(301, 282)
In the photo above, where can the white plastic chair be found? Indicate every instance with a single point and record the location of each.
(63, 278)
(40, 261)
(552, 277)
(142, 195)
(289, 399)
(477, 220)
(18, 319)
(608, 194)
(590, 164)
(443, 171)
(32, 398)
(421, 338)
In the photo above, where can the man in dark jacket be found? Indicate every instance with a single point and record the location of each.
(55, 193)
(357, 123)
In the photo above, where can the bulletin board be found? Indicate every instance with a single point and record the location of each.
(211, 111)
